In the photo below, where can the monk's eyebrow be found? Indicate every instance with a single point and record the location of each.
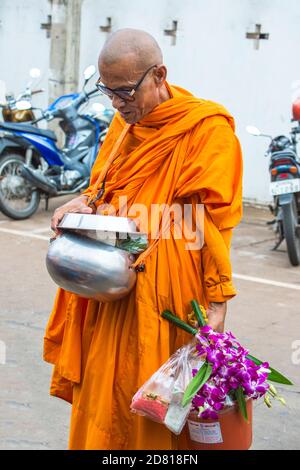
(124, 87)
(128, 86)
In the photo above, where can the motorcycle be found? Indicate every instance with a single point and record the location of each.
(10, 111)
(39, 168)
(285, 186)
(102, 114)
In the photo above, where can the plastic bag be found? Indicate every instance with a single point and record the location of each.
(159, 399)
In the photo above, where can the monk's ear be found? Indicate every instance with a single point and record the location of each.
(160, 74)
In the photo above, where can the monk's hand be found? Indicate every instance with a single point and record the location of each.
(216, 313)
(78, 205)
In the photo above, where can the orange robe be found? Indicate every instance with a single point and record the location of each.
(184, 151)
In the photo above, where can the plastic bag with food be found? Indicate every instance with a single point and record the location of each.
(159, 399)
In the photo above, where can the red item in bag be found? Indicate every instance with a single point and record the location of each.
(152, 405)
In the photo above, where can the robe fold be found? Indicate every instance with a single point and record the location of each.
(184, 152)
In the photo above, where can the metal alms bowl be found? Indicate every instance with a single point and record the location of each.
(88, 266)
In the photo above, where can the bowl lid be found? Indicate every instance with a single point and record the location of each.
(115, 231)
(103, 223)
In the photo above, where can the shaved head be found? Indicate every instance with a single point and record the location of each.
(137, 46)
(131, 60)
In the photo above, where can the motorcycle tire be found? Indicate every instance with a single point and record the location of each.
(14, 161)
(290, 222)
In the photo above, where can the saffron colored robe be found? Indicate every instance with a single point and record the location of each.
(184, 151)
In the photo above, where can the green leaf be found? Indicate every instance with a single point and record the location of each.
(254, 359)
(274, 375)
(277, 377)
(198, 313)
(197, 382)
(242, 403)
(180, 323)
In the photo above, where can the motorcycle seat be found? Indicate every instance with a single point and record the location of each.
(12, 126)
(287, 153)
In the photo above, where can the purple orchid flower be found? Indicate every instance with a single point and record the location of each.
(231, 369)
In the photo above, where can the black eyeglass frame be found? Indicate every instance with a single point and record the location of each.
(125, 95)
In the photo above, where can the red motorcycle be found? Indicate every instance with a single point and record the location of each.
(285, 185)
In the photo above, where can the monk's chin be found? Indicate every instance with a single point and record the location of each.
(129, 118)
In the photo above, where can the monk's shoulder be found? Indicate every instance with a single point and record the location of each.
(217, 125)
(211, 129)
(212, 122)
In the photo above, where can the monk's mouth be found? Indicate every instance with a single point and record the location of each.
(124, 115)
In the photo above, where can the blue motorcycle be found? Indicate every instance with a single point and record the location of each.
(31, 164)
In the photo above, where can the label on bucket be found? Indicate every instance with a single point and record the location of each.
(206, 433)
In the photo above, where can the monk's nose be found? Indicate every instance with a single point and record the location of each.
(117, 102)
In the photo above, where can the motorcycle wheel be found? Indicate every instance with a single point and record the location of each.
(290, 222)
(18, 200)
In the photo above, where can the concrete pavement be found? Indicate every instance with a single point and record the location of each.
(265, 316)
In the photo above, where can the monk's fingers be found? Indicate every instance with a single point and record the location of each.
(57, 217)
(217, 324)
(79, 208)
(85, 209)
(60, 212)
(54, 238)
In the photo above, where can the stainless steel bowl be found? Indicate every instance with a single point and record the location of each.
(90, 268)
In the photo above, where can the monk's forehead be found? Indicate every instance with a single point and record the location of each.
(120, 60)
(125, 69)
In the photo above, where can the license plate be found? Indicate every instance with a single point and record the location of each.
(285, 186)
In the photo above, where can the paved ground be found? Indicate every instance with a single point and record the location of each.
(265, 316)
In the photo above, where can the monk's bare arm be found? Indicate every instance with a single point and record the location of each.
(79, 205)
(216, 313)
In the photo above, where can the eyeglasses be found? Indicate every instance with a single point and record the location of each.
(125, 94)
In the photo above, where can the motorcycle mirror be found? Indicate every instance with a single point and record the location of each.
(253, 130)
(98, 107)
(89, 72)
(35, 73)
(22, 105)
(35, 92)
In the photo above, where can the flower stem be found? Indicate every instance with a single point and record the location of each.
(198, 313)
(180, 323)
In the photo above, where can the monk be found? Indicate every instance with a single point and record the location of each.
(168, 147)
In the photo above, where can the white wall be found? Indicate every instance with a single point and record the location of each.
(23, 45)
(214, 60)
(212, 57)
